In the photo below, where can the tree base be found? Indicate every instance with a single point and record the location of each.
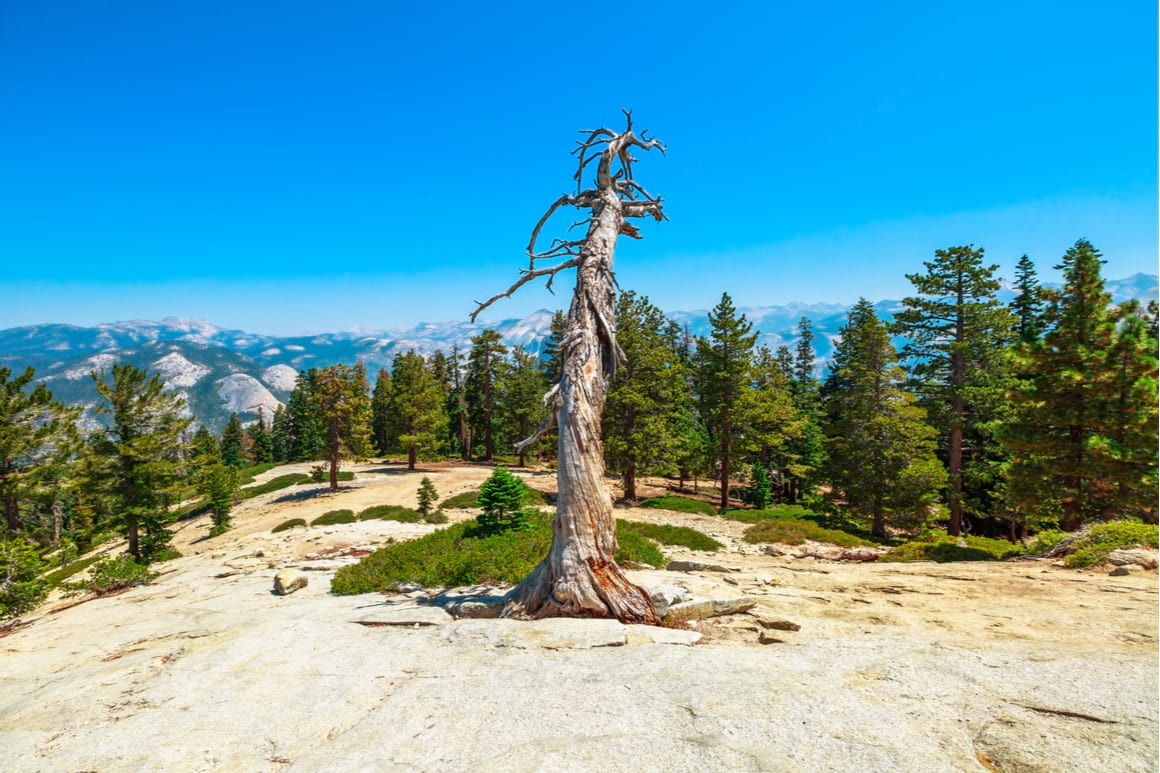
(602, 591)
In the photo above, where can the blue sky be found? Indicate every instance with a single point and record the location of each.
(290, 167)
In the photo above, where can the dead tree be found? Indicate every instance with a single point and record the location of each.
(579, 577)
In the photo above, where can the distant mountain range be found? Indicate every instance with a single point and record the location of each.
(222, 371)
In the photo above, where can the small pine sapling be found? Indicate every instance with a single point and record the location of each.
(427, 497)
(762, 491)
(501, 497)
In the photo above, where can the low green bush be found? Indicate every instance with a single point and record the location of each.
(797, 532)
(287, 525)
(670, 535)
(1106, 537)
(679, 504)
(436, 517)
(108, 575)
(463, 554)
(390, 513)
(322, 475)
(334, 517)
(775, 513)
(945, 549)
(274, 484)
(60, 575)
(246, 475)
(1045, 541)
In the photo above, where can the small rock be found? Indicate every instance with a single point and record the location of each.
(289, 580)
(729, 580)
(772, 550)
(664, 596)
(481, 607)
(699, 610)
(1125, 570)
(765, 637)
(1125, 557)
(259, 553)
(779, 625)
(407, 587)
(312, 557)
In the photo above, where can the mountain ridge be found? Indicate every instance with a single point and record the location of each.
(220, 370)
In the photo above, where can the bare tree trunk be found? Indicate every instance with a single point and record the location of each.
(411, 458)
(579, 577)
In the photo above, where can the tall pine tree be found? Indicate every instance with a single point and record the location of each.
(415, 417)
(882, 460)
(1027, 306)
(343, 406)
(521, 399)
(484, 366)
(957, 331)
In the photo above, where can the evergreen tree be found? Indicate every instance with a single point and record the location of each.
(724, 378)
(484, 366)
(552, 355)
(305, 432)
(281, 435)
(762, 490)
(233, 443)
(428, 496)
(440, 366)
(808, 447)
(142, 444)
(261, 441)
(415, 417)
(501, 496)
(521, 399)
(1058, 438)
(642, 413)
(957, 332)
(217, 483)
(203, 443)
(882, 459)
(1132, 418)
(459, 428)
(342, 400)
(380, 412)
(34, 429)
(1027, 307)
(773, 425)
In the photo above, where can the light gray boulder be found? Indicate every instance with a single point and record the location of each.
(1128, 556)
(699, 610)
(289, 580)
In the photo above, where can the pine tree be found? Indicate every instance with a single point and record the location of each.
(957, 331)
(1027, 306)
(1131, 430)
(415, 417)
(520, 400)
(203, 443)
(882, 459)
(33, 429)
(281, 435)
(143, 444)
(217, 483)
(233, 443)
(808, 448)
(1058, 436)
(642, 412)
(261, 441)
(724, 378)
(440, 366)
(428, 496)
(305, 433)
(459, 428)
(484, 365)
(380, 412)
(342, 398)
(773, 425)
(501, 496)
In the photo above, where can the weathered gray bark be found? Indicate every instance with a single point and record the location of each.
(579, 577)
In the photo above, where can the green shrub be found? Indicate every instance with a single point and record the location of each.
(427, 496)
(321, 474)
(1045, 541)
(436, 517)
(21, 586)
(334, 517)
(287, 525)
(318, 473)
(670, 535)
(634, 547)
(62, 574)
(274, 484)
(501, 496)
(775, 513)
(108, 575)
(246, 475)
(390, 513)
(679, 504)
(1106, 537)
(944, 549)
(797, 532)
(464, 554)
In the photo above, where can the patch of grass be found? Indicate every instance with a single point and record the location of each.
(68, 570)
(469, 500)
(390, 513)
(436, 517)
(1106, 537)
(287, 525)
(797, 532)
(1045, 541)
(670, 535)
(343, 475)
(775, 513)
(945, 549)
(334, 517)
(246, 475)
(112, 574)
(463, 555)
(679, 504)
(274, 484)
(634, 547)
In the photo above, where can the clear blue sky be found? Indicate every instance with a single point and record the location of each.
(288, 167)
